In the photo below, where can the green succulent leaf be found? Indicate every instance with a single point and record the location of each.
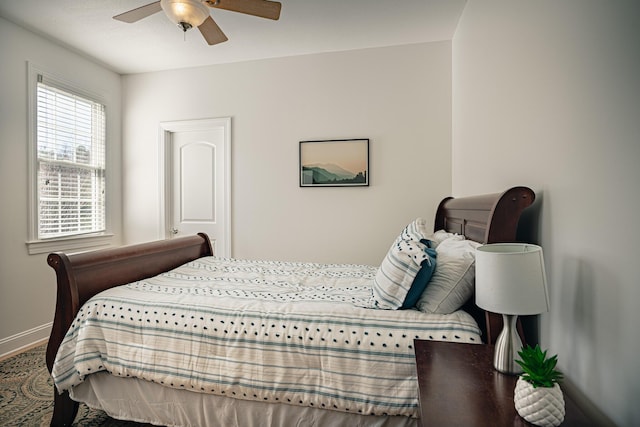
(537, 368)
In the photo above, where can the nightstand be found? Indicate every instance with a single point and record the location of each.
(458, 386)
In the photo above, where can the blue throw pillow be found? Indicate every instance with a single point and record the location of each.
(427, 267)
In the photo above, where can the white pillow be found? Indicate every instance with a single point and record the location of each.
(452, 283)
(442, 235)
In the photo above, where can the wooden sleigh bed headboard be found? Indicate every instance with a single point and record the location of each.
(490, 218)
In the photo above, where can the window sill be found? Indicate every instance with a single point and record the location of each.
(69, 244)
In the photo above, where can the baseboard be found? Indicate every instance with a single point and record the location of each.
(24, 340)
(595, 414)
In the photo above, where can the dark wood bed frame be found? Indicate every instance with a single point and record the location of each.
(490, 218)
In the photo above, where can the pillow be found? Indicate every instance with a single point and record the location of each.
(427, 267)
(452, 283)
(417, 230)
(395, 285)
(442, 235)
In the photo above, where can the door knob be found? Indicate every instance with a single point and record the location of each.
(174, 231)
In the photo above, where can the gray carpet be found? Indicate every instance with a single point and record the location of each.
(26, 395)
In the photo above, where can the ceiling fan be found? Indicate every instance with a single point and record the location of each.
(195, 13)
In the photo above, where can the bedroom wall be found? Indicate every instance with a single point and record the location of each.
(27, 283)
(547, 94)
(399, 97)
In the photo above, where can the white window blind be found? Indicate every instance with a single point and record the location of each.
(70, 135)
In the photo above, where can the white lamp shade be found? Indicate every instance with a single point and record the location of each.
(192, 12)
(510, 279)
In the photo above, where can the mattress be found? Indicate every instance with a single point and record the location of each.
(145, 402)
(263, 331)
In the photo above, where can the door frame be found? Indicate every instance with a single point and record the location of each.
(165, 170)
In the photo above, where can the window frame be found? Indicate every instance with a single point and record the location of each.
(76, 242)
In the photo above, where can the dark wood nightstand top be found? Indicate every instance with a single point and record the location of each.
(459, 387)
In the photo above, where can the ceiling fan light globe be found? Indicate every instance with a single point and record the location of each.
(180, 12)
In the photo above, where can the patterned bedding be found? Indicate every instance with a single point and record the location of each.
(287, 332)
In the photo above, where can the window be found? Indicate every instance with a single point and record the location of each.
(69, 163)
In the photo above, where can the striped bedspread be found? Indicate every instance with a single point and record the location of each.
(286, 332)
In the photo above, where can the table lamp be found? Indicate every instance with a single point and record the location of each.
(510, 280)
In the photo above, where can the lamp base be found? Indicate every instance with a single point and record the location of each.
(507, 347)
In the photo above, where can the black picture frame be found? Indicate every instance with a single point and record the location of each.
(334, 163)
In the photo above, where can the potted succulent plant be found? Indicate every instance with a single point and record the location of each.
(538, 397)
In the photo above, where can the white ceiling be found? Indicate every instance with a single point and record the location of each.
(305, 27)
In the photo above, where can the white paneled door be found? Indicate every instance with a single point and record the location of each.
(197, 179)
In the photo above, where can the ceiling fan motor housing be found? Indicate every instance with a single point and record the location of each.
(185, 13)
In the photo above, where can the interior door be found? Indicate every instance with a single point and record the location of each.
(199, 183)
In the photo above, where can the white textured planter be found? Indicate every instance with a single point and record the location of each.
(541, 406)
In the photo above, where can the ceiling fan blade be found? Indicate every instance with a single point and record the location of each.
(211, 32)
(261, 8)
(139, 13)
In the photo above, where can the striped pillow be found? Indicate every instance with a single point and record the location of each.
(395, 285)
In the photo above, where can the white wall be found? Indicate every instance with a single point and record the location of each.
(27, 283)
(547, 94)
(399, 97)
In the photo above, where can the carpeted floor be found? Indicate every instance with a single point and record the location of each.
(26, 395)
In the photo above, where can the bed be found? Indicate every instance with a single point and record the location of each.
(165, 333)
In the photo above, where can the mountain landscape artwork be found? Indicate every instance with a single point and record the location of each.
(334, 163)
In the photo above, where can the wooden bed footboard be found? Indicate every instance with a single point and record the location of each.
(83, 275)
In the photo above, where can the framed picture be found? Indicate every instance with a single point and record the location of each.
(334, 163)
